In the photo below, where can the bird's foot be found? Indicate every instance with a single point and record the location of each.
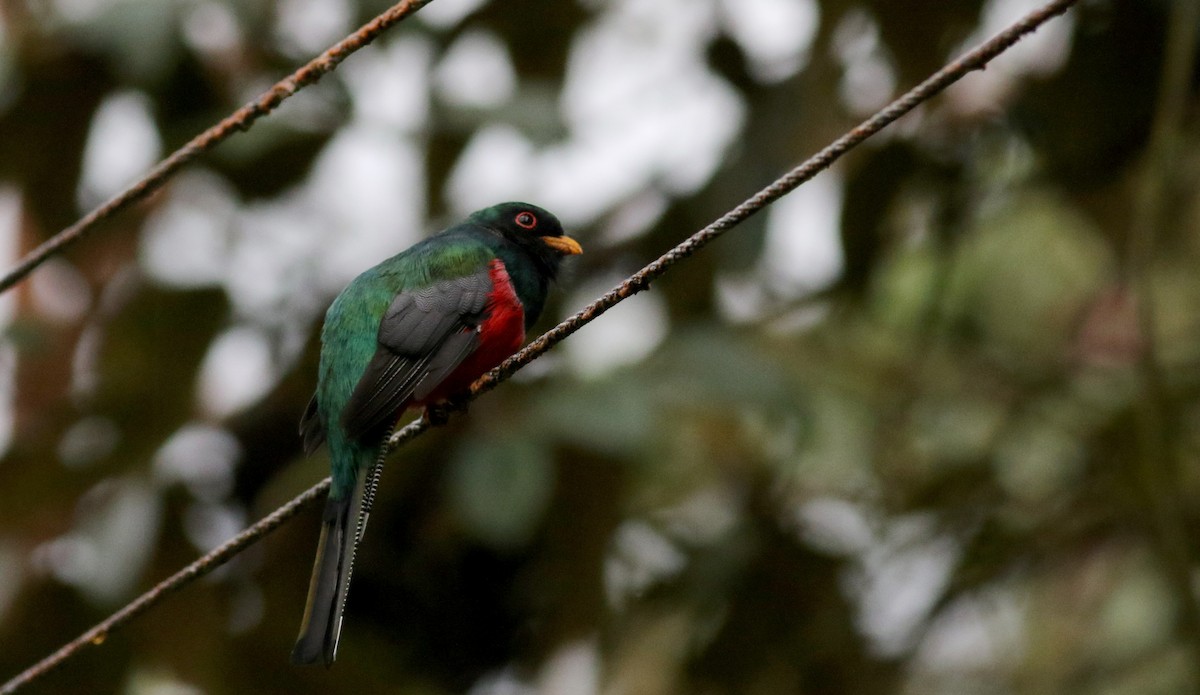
(458, 403)
(438, 414)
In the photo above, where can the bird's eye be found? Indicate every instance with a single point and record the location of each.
(526, 220)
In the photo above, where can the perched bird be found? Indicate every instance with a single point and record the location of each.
(414, 330)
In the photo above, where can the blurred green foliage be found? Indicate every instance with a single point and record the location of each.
(966, 464)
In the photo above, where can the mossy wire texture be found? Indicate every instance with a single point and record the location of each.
(975, 59)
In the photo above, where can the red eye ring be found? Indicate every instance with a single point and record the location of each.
(525, 220)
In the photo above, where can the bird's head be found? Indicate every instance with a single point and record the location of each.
(533, 229)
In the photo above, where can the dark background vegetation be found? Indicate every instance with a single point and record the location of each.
(908, 433)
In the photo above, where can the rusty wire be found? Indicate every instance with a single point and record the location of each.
(976, 59)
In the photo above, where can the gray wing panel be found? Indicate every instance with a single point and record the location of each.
(423, 336)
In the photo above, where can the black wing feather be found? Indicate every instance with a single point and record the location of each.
(423, 336)
(312, 428)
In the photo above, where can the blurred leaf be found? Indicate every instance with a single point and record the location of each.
(1024, 276)
(500, 488)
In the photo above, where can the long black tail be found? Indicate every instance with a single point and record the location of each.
(330, 581)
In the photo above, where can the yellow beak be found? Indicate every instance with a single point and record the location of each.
(563, 244)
